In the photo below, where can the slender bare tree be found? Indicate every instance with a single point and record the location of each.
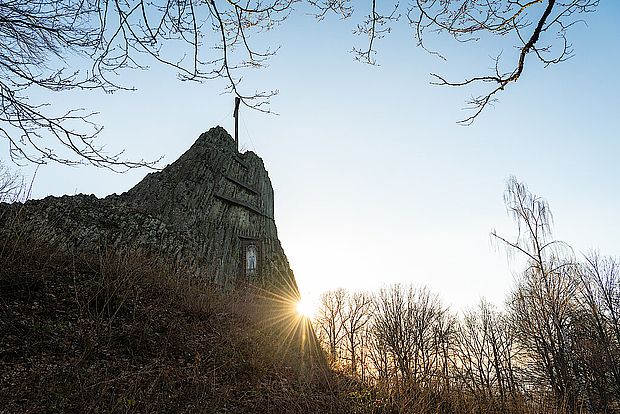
(415, 329)
(541, 303)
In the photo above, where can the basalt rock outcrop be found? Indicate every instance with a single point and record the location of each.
(210, 213)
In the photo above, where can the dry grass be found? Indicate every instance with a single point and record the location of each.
(112, 332)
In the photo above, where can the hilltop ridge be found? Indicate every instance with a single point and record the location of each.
(209, 212)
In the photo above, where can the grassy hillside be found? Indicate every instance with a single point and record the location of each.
(110, 332)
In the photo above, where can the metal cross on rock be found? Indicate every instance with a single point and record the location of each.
(236, 116)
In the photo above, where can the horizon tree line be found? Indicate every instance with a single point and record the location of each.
(555, 347)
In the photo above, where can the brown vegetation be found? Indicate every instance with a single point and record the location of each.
(111, 332)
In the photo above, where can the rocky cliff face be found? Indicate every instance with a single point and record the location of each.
(211, 212)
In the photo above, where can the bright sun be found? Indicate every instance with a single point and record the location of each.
(305, 308)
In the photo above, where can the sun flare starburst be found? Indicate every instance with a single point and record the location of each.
(305, 308)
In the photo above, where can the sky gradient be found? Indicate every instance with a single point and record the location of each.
(374, 181)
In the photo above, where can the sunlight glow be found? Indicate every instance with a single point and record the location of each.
(306, 308)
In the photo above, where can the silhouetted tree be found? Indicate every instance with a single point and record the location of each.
(413, 326)
(598, 327)
(357, 314)
(541, 303)
(330, 321)
(485, 355)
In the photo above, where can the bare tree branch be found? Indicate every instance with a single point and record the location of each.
(41, 39)
(467, 21)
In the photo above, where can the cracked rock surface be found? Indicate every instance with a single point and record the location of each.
(195, 212)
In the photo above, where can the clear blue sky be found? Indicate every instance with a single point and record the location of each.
(375, 182)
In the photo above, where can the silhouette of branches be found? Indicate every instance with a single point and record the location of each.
(62, 45)
(467, 21)
(41, 39)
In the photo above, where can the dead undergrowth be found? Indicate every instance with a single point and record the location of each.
(111, 332)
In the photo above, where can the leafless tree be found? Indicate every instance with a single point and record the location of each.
(380, 364)
(393, 328)
(62, 45)
(357, 314)
(485, 355)
(541, 303)
(414, 327)
(41, 41)
(12, 185)
(543, 315)
(598, 322)
(330, 322)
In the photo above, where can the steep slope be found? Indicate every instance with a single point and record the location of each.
(112, 332)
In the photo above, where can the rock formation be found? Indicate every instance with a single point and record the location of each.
(210, 212)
